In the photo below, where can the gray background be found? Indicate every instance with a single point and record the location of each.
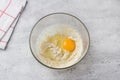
(102, 18)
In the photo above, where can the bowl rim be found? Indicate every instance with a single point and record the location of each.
(64, 14)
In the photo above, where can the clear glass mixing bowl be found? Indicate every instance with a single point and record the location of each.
(59, 18)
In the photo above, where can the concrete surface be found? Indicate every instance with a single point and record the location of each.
(102, 18)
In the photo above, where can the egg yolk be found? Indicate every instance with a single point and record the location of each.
(68, 44)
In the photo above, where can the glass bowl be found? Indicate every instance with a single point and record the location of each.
(58, 18)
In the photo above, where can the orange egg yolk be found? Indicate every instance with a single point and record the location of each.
(69, 44)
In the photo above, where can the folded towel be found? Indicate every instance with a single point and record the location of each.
(10, 11)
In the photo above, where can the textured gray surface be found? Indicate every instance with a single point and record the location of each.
(102, 18)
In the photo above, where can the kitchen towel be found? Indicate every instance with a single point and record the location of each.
(10, 11)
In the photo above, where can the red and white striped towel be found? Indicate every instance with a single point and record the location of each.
(10, 11)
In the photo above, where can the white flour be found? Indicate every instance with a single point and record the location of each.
(62, 29)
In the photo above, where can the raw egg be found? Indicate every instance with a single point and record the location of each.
(69, 44)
